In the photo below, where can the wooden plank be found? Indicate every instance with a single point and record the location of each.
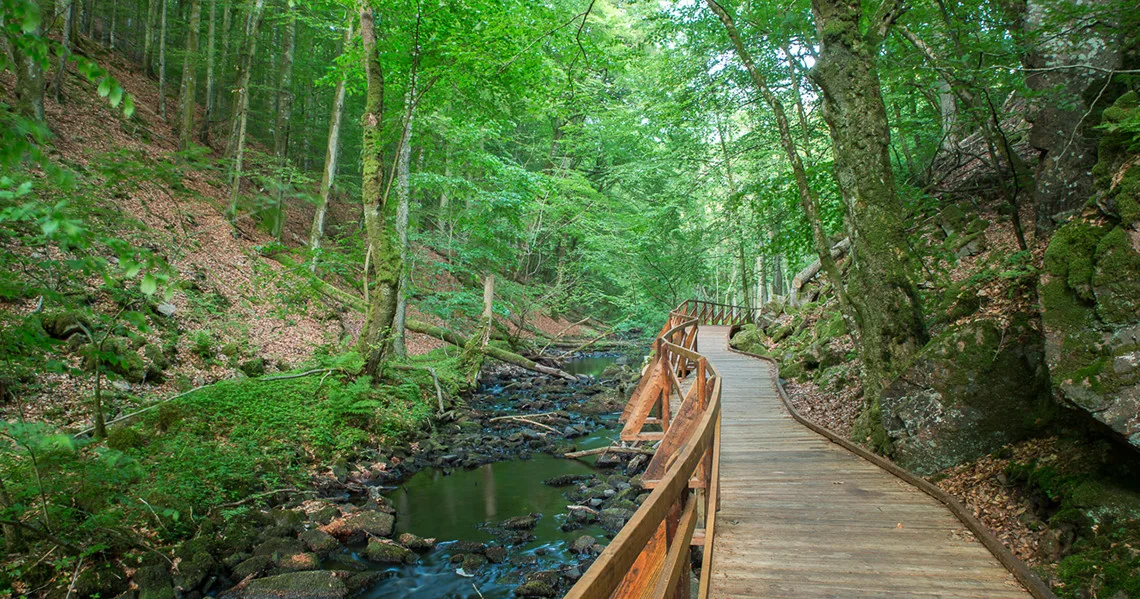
(676, 563)
(646, 570)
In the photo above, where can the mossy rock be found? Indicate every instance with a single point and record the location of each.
(253, 368)
(385, 551)
(118, 355)
(750, 339)
(1091, 298)
(1117, 173)
(971, 390)
(62, 325)
(298, 585)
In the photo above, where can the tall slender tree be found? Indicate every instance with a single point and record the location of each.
(187, 104)
(332, 151)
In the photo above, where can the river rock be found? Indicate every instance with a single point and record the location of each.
(535, 588)
(415, 543)
(567, 479)
(318, 541)
(280, 546)
(468, 547)
(527, 522)
(154, 582)
(254, 566)
(299, 562)
(385, 551)
(298, 585)
(358, 526)
(496, 555)
(583, 545)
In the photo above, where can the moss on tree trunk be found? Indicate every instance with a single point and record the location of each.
(885, 299)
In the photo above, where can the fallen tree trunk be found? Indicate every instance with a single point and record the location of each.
(335, 293)
(499, 354)
(813, 269)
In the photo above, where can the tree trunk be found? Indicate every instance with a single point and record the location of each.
(885, 299)
(472, 360)
(284, 114)
(211, 52)
(317, 233)
(443, 217)
(162, 62)
(89, 18)
(403, 197)
(224, 62)
(114, 19)
(242, 106)
(376, 333)
(65, 53)
(187, 103)
(148, 36)
(29, 81)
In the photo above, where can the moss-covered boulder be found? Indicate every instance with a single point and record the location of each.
(750, 339)
(299, 585)
(1117, 172)
(358, 526)
(385, 551)
(1090, 295)
(118, 355)
(971, 390)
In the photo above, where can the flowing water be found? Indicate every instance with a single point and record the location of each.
(458, 506)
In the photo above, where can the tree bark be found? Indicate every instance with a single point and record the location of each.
(211, 53)
(403, 197)
(885, 299)
(114, 19)
(29, 81)
(332, 151)
(385, 265)
(224, 61)
(187, 102)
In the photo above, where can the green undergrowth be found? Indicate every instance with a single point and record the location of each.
(156, 479)
(1090, 499)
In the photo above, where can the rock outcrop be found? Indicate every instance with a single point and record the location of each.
(1090, 291)
(971, 390)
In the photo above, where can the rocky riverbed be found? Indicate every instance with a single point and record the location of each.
(483, 505)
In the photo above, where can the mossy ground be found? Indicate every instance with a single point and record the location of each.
(1089, 496)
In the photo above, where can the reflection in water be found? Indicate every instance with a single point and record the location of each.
(592, 365)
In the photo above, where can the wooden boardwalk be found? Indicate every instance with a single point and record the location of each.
(803, 517)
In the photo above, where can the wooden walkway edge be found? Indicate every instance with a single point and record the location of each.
(804, 517)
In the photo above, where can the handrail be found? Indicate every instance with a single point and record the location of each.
(650, 556)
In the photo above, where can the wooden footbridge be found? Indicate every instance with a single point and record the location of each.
(777, 509)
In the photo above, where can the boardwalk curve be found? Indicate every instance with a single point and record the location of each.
(803, 517)
(780, 506)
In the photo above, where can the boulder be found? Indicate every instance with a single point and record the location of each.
(415, 543)
(1090, 293)
(971, 390)
(318, 541)
(384, 551)
(358, 526)
(319, 584)
(119, 357)
(154, 582)
(583, 545)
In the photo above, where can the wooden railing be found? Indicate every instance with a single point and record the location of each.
(711, 313)
(650, 556)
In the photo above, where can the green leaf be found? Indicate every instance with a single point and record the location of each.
(128, 107)
(149, 285)
(116, 96)
(104, 87)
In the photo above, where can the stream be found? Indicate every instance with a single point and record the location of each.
(459, 507)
